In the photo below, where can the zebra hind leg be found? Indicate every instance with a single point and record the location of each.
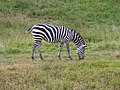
(38, 47)
(33, 49)
(60, 49)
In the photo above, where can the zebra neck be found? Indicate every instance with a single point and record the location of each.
(71, 35)
(77, 39)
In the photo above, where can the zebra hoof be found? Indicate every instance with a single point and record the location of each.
(41, 58)
(59, 57)
(70, 57)
(32, 58)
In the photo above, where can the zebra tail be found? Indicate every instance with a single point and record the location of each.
(28, 31)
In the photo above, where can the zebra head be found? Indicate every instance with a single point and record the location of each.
(80, 51)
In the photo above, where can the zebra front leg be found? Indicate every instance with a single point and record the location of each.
(60, 49)
(68, 50)
(38, 47)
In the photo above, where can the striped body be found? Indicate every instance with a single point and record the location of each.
(54, 34)
(50, 33)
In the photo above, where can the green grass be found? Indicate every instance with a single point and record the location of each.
(96, 20)
(61, 75)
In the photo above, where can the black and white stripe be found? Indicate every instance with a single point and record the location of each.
(54, 34)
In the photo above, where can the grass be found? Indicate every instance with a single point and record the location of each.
(66, 75)
(96, 20)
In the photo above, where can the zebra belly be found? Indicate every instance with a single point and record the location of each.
(55, 41)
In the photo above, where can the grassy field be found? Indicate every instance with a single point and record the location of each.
(96, 20)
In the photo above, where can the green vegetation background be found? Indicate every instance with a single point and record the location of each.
(98, 21)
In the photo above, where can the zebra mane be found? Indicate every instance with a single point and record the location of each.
(77, 39)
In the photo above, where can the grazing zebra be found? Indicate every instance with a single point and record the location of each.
(56, 34)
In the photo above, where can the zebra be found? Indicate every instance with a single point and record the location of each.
(56, 34)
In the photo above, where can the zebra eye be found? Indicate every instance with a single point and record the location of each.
(84, 46)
